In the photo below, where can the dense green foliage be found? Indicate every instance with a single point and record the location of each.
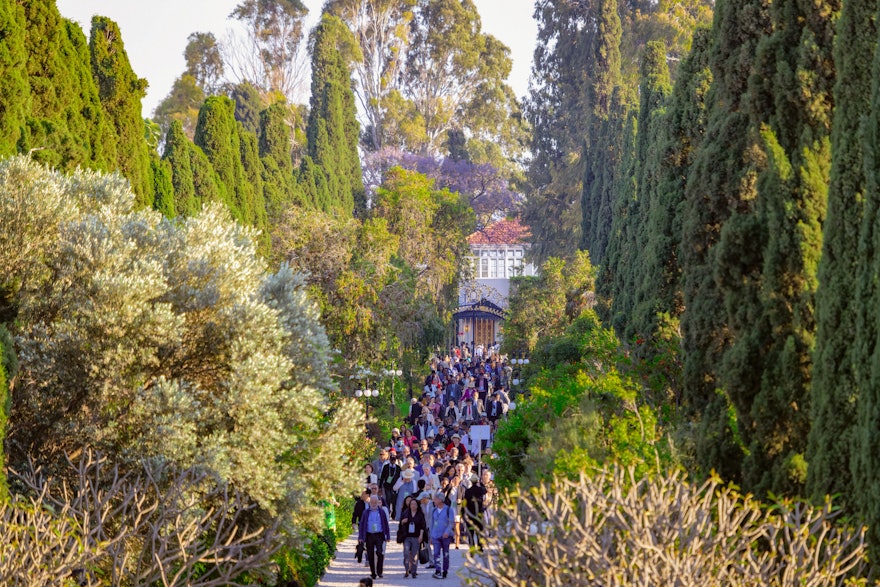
(582, 53)
(333, 130)
(585, 405)
(189, 349)
(837, 360)
(121, 92)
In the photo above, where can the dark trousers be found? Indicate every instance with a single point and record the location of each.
(375, 554)
(391, 500)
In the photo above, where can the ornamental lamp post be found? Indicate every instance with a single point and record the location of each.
(395, 374)
(366, 394)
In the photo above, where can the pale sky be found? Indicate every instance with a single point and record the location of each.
(155, 32)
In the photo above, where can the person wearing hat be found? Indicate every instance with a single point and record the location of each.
(406, 485)
(456, 444)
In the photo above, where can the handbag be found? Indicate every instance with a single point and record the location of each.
(400, 534)
(424, 555)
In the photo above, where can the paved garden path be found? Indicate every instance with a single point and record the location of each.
(344, 570)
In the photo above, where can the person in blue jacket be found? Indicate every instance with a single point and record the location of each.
(374, 532)
(442, 522)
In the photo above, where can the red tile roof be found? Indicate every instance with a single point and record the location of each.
(503, 232)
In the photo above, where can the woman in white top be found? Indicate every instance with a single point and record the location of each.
(370, 477)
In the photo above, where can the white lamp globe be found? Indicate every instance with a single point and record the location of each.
(358, 393)
(398, 373)
(511, 406)
(516, 381)
(526, 361)
(375, 393)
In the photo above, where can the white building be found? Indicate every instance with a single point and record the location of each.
(498, 252)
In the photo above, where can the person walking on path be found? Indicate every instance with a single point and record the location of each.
(474, 509)
(442, 520)
(405, 486)
(374, 531)
(412, 532)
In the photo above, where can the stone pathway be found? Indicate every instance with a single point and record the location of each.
(344, 570)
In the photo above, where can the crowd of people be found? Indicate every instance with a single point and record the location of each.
(432, 475)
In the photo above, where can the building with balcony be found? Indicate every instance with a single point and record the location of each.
(498, 253)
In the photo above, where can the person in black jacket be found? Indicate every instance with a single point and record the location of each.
(359, 508)
(412, 532)
(474, 509)
(387, 478)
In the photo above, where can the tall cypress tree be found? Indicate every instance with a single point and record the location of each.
(602, 150)
(721, 183)
(14, 91)
(643, 166)
(333, 130)
(865, 351)
(619, 255)
(217, 135)
(653, 92)
(121, 92)
(253, 172)
(794, 114)
(66, 127)
(835, 389)
(163, 188)
(177, 154)
(683, 128)
(280, 188)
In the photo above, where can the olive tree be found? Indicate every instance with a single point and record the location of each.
(144, 337)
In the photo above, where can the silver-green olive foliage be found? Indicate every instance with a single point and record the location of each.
(145, 337)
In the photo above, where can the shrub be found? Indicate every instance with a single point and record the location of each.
(614, 530)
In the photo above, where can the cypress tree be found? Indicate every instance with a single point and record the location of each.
(207, 184)
(163, 187)
(177, 154)
(333, 130)
(253, 171)
(248, 105)
(683, 128)
(619, 254)
(865, 355)
(66, 127)
(653, 92)
(721, 183)
(14, 91)
(635, 199)
(601, 150)
(279, 183)
(217, 135)
(835, 388)
(313, 184)
(121, 92)
(606, 161)
(794, 114)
